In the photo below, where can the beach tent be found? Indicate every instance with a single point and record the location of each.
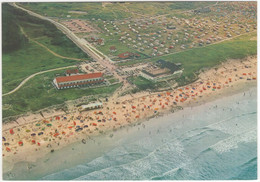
(38, 144)
(38, 124)
(114, 112)
(94, 124)
(33, 142)
(49, 124)
(8, 149)
(63, 132)
(33, 134)
(56, 134)
(11, 131)
(3, 139)
(74, 123)
(20, 143)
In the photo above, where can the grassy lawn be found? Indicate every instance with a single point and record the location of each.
(142, 83)
(39, 93)
(30, 59)
(93, 10)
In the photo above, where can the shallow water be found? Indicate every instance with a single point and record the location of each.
(217, 140)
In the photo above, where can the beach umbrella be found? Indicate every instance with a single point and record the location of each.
(45, 121)
(133, 107)
(20, 143)
(8, 149)
(254, 78)
(33, 142)
(38, 144)
(85, 126)
(137, 116)
(244, 74)
(63, 132)
(3, 139)
(56, 134)
(115, 119)
(33, 134)
(94, 124)
(49, 124)
(6, 144)
(28, 131)
(114, 112)
(74, 123)
(213, 89)
(11, 131)
(38, 124)
(208, 86)
(70, 127)
(40, 133)
(43, 128)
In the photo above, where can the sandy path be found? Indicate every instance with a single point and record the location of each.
(33, 75)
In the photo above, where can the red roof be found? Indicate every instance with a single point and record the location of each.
(78, 77)
(125, 55)
(73, 71)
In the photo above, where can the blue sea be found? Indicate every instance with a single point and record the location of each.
(213, 141)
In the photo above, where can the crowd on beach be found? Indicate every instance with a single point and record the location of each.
(57, 131)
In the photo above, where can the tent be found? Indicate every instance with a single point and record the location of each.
(20, 143)
(11, 131)
(8, 149)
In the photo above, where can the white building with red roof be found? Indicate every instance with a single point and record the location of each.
(82, 80)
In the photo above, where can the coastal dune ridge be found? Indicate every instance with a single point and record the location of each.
(232, 76)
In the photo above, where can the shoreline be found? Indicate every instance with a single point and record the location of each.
(207, 96)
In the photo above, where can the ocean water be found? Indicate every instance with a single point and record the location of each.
(214, 141)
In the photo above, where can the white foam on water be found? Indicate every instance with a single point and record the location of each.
(233, 141)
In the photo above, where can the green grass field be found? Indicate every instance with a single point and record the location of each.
(31, 58)
(39, 93)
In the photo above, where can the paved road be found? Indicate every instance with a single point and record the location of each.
(81, 43)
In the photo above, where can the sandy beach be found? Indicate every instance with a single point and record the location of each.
(33, 138)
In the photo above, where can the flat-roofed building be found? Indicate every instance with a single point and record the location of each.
(163, 71)
(91, 106)
(82, 80)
